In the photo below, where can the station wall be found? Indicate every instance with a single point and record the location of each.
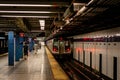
(104, 46)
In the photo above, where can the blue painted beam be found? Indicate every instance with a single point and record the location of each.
(11, 48)
(21, 40)
(17, 56)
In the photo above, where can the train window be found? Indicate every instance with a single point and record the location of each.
(67, 45)
(55, 43)
(0, 43)
(3, 43)
(6, 43)
(55, 46)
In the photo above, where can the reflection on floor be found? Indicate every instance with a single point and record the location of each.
(36, 67)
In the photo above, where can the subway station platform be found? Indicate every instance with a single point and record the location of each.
(36, 67)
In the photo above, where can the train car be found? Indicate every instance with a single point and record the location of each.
(3, 43)
(60, 46)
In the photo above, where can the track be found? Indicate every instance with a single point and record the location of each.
(77, 72)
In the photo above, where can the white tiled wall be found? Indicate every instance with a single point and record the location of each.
(107, 49)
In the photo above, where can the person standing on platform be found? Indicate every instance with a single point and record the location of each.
(25, 50)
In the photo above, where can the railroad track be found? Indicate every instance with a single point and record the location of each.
(77, 72)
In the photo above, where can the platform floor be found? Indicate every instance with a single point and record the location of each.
(36, 67)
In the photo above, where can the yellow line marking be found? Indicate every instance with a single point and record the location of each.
(58, 72)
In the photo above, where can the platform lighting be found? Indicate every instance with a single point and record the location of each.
(91, 1)
(25, 16)
(42, 28)
(118, 34)
(61, 27)
(81, 10)
(26, 12)
(67, 21)
(27, 5)
(42, 24)
(84, 8)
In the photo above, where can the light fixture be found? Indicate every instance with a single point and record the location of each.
(81, 10)
(61, 27)
(42, 24)
(27, 5)
(42, 28)
(118, 34)
(91, 1)
(26, 12)
(25, 16)
(67, 21)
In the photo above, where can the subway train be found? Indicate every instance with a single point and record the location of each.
(3, 44)
(60, 46)
(100, 51)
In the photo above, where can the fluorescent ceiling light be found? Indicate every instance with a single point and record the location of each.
(67, 21)
(27, 5)
(26, 12)
(89, 2)
(42, 28)
(81, 10)
(118, 34)
(25, 16)
(37, 31)
(78, 4)
(42, 22)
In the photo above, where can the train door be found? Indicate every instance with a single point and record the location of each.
(61, 47)
(55, 46)
(67, 46)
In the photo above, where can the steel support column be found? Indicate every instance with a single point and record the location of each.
(11, 48)
(21, 40)
(17, 56)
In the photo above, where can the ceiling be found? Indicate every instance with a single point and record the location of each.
(24, 15)
(62, 17)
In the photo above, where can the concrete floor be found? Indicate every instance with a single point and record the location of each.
(36, 67)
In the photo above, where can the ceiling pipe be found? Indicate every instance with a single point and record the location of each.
(79, 12)
(65, 18)
(21, 25)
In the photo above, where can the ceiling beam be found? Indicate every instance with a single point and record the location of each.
(38, 2)
(42, 9)
(29, 14)
(20, 16)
